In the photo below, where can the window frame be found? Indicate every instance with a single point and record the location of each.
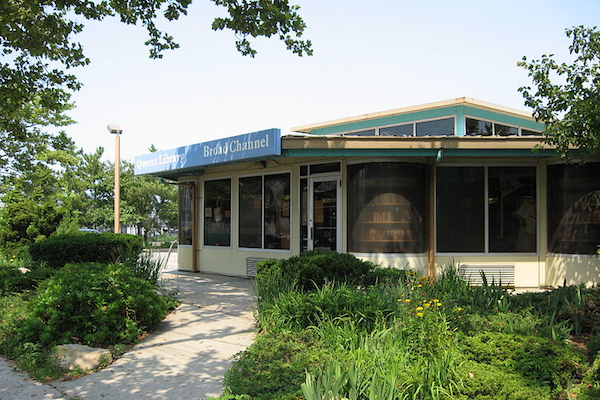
(486, 252)
(263, 175)
(425, 227)
(520, 128)
(231, 202)
(412, 122)
(182, 186)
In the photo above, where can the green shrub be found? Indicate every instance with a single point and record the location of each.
(312, 269)
(386, 276)
(59, 250)
(96, 305)
(481, 381)
(274, 366)
(13, 280)
(147, 266)
(538, 359)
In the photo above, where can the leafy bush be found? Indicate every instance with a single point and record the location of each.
(59, 250)
(482, 381)
(538, 359)
(95, 305)
(311, 270)
(273, 367)
(16, 280)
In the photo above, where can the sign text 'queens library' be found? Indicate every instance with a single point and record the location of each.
(236, 148)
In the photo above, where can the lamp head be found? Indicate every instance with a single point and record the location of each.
(113, 128)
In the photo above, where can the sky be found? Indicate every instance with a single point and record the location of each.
(369, 56)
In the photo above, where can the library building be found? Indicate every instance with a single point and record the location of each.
(448, 183)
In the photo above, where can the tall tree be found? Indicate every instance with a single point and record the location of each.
(35, 200)
(38, 48)
(147, 203)
(566, 96)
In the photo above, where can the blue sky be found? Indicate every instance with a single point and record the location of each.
(368, 56)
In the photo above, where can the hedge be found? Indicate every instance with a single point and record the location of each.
(60, 250)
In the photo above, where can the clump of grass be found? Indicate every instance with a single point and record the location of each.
(404, 336)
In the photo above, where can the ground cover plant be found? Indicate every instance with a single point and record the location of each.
(387, 334)
(96, 304)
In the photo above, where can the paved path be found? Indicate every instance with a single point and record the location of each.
(184, 359)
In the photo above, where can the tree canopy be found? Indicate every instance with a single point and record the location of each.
(566, 97)
(38, 47)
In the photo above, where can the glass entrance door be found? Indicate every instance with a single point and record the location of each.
(324, 233)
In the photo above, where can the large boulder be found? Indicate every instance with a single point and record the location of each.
(72, 356)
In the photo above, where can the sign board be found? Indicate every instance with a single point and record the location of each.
(250, 146)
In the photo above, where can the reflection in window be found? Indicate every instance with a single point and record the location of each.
(386, 208)
(250, 232)
(368, 132)
(217, 213)
(265, 212)
(504, 130)
(303, 214)
(574, 208)
(186, 214)
(476, 127)
(527, 132)
(512, 213)
(460, 213)
(400, 130)
(512, 210)
(277, 211)
(438, 127)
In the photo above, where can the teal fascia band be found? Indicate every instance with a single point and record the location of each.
(416, 153)
(459, 112)
(502, 118)
(385, 121)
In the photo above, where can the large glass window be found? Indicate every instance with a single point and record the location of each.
(512, 210)
(217, 213)
(386, 208)
(438, 127)
(462, 196)
(186, 214)
(574, 208)
(251, 208)
(277, 211)
(460, 209)
(398, 130)
(265, 212)
(476, 127)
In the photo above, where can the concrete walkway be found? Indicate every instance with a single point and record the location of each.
(185, 358)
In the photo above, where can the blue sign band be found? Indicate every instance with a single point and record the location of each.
(236, 148)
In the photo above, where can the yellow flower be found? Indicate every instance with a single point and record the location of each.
(407, 300)
(419, 308)
(438, 304)
(419, 285)
(427, 305)
(459, 309)
(435, 300)
(419, 314)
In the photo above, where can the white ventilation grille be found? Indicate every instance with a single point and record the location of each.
(500, 274)
(251, 265)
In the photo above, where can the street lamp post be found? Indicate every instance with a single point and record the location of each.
(116, 129)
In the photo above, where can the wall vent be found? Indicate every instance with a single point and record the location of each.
(251, 265)
(503, 274)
